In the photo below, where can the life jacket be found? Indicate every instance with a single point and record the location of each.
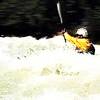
(81, 43)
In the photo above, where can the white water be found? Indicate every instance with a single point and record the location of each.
(47, 69)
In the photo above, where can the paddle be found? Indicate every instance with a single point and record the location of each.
(59, 12)
(60, 16)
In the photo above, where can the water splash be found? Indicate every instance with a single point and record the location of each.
(33, 69)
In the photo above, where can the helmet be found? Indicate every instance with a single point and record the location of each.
(82, 31)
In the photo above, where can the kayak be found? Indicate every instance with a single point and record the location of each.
(82, 44)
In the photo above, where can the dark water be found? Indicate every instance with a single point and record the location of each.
(41, 18)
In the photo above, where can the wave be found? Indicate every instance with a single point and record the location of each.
(47, 69)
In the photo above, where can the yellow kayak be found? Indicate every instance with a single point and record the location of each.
(82, 44)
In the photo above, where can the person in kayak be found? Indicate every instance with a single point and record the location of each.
(81, 41)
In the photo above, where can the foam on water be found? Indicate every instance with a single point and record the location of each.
(47, 69)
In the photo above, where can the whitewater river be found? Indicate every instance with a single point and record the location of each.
(47, 69)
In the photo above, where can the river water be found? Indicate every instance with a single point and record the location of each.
(47, 69)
